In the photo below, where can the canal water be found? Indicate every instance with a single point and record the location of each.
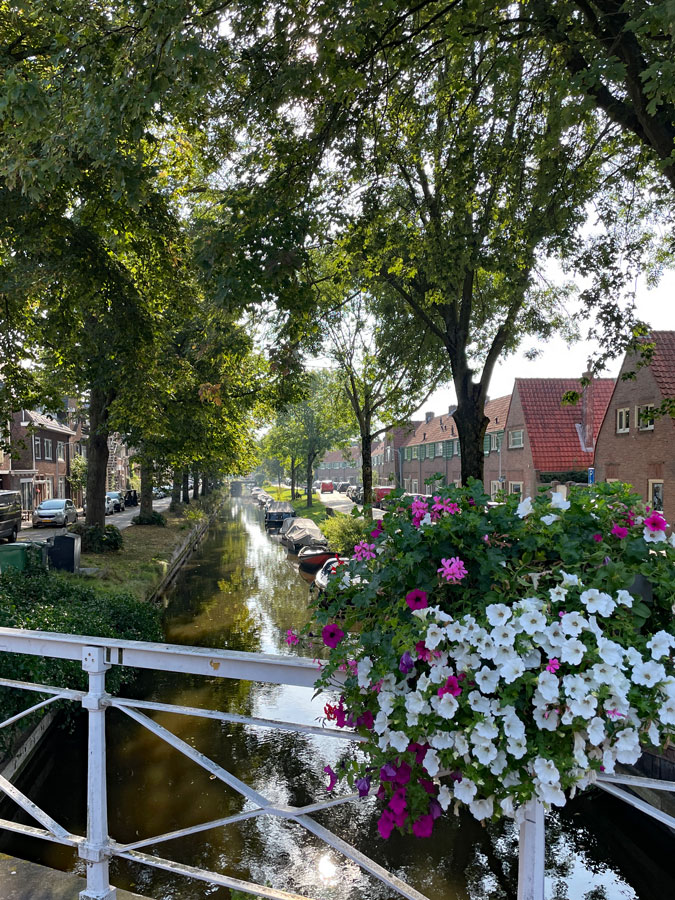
(241, 591)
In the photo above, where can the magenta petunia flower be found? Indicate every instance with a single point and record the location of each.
(332, 635)
(453, 569)
(451, 686)
(423, 826)
(291, 637)
(385, 824)
(597, 538)
(398, 804)
(619, 531)
(417, 599)
(656, 522)
(363, 550)
(553, 665)
(332, 778)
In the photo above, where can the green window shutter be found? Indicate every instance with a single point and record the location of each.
(458, 449)
(448, 449)
(422, 451)
(486, 445)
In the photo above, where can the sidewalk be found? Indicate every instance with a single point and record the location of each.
(342, 504)
(21, 880)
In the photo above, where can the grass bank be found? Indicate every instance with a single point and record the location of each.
(316, 512)
(144, 560)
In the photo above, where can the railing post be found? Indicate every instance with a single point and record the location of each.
(531, 852)
(95, 850)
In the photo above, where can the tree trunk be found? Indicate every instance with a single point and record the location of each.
(292, 478)
(471, 425)
(310, 464)
(175, 490)
(195, 483)
(186, 486)
(206, 487)
(146, 491)
(97, 458)
(367, 474)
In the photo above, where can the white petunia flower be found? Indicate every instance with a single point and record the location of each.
(596, 731)
(572, 651)
(554, 633)
(444, 797)
(557, 594)
(660, 644)
(596, 601)
(545, 770)
(624, 598)
(550, 793)
(627, 746)
(653, 735)
(482, 809)
(549, 519)
(570, 580)
(558, 501)
(381, 722)
(478, 703)
(385, 700)
(603, 673)
(499, 763)
(465, 790)
(648, 673)
(512, 669)
(532, 621)
(667, 712)
(498, 613)
(435, 635)
(431, 762)
(517, 747)
(573, 623)
(653, 537)
(441, 740)
(363, 671)
(611, 652)
(423, 682)
(503, 636)
(461, 743)
(446, 706)
(399, 740)
(549, 686)
(584, 707)
(415, 703)
(488, 680)
(456, 631)
(545, 719)
(524, 508)
(485, 752)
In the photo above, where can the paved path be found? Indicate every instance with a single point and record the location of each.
(342, 503)
(120, 519)
(21, 880)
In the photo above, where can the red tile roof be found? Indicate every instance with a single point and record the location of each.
(663, 361)
(552, 428)
(444, 428)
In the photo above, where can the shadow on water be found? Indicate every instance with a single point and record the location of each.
(240, 591)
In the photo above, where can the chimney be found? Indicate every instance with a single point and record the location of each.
(428, 417)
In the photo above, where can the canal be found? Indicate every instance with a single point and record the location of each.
(240, 591)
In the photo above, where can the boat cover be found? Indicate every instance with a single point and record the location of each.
(279, 506)
(303, 533)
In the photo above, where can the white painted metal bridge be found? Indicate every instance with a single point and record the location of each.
(96, 848)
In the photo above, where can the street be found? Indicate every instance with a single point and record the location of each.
(120, 520)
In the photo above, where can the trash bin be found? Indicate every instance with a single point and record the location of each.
(13, 556)
(40, 549)
(65, 554)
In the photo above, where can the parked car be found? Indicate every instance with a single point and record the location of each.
(342, 487)
(327, 487)
(117, 499)
(131, 498)
(54, 512)
(10, 514)
(380, 493)
(353, 490)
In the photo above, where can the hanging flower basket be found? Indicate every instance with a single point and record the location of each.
(496, 653)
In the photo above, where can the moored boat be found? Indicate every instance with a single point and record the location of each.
(313, 556)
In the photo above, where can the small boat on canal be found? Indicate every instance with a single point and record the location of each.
(301, 533)
(313, 557)
(276, 514)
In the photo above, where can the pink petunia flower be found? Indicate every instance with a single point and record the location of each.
(453, 569)
(417, 599)
(656, 522)
(332, 635)
(332, 778)
(291, 637)
(423, 826)
(451, 686)
(442, 504)
(619, 531)
(553, 665)
(597, 538)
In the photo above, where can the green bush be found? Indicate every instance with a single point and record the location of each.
(45, 601)
(155, 518)
(98, 540)
(343, 532)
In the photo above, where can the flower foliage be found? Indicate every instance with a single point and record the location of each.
(495, 653)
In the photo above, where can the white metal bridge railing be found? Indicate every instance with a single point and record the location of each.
(96, 848)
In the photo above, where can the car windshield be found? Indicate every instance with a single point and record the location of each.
(113, 494)
(52, 504)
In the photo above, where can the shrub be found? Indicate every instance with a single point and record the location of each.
(344, 532)
(497, 655)
(98, 540)
(155, 518)
(45, 601)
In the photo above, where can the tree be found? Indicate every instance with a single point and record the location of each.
(388, 362)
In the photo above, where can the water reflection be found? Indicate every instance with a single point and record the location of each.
(241, 591)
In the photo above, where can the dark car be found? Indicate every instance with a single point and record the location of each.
(131, 498)
(117, 499)
(54, 512)
(10, 514)
(342, 487)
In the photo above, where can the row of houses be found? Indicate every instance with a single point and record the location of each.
(534, 439)
(41, 450)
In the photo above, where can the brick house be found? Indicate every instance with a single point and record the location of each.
(635, 449)
(433, 449)
(387, 457)
(336, 465)
(547, 442)
(38, 462)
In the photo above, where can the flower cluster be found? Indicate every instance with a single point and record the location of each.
(492, 655)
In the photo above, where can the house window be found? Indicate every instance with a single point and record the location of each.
(388, 454)
(62, 486)
(516, 438)
(427, 490)
(623, 420)
(656, 495)
(61, 453)
(414, 453)
(414, 486)
(439, 448)
(516, 487)
(645, 422)
(406, 485)
(48, 449)
(496, 440)
(458, 449)
(494, 489)
(38, 448)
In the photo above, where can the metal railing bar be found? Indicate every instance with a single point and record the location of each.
(194, 829)
(324, 804)
(363, 861)
(195, 755)
(73, 840)
(237, 719)
(32, 809)
(67, 693)
(638, 781)
(245, 887)
(642, 805)
(28, 711)
(292, 670)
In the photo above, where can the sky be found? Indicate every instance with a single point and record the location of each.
(557, 360)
